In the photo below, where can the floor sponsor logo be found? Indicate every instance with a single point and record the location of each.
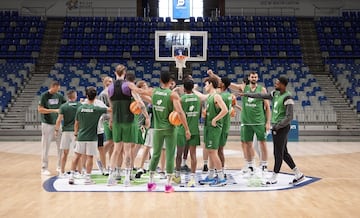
(237, 181)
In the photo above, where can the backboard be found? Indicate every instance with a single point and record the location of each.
(169, 44)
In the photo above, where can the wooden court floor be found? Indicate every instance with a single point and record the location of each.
(337, 194)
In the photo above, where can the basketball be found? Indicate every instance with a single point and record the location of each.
(134, 108)
(174, 118)
(232, 112)
(233, 101)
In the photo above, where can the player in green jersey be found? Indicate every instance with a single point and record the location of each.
(164, 101)
(216, 109)
(85, 131)
(282, 114)
(255, 119)
(191, 105)
(49, 104)
(67, 113)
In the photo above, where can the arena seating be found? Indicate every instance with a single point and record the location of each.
(311, 101)
(92, 46)
(13, 75)
(339, 36)
(20, 37)
(347, 75)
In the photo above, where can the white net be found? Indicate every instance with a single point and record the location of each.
(180, 61)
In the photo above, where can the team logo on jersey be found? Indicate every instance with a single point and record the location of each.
(158, 102)
(191, 108)
(53, 101)
(250, 100)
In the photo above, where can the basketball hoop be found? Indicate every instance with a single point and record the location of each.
(180, 61)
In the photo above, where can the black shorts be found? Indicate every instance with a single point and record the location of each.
(100, 140)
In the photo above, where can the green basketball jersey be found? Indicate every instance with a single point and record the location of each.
(88, 116)
(51, 101)
(252, 108)
(191, 105)
(162, 107)
(68, 110)
(278, 107)
(227, 98)
(212, 111)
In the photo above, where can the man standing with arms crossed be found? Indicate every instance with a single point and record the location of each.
(50, 102)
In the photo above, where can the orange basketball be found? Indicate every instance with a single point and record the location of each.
(233, 102)
(134, 108)
(232, 112)
(203, 114)
(174, 118)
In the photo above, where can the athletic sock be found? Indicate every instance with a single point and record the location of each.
(151, 176)
(146, 165)
(211, 173)
(177, 173)
(221, 175)
(183, 162)
(206, 162)
(297, 172)
(169, 178)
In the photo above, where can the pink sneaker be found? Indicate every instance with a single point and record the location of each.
(169, 189)
(151, 186)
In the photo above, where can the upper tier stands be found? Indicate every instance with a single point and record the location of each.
(134, 37)
(339, 36)
(20, 37)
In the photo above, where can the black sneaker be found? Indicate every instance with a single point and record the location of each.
(264, 168)
(139, 173)
(185, 168)
(205, 169)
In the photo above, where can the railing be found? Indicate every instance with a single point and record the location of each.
(102, 11)
(322, 118)
(326, 11)
(33, 11)
(260, 11)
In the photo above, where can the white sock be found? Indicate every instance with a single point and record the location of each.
(177, 173)
(221, 175)
(151, 176)
(169, 178)
(211, 173)
(297, 172)
(206, 162)
(183, 162)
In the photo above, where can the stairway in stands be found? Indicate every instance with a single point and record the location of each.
(15, 118)
(347, 118)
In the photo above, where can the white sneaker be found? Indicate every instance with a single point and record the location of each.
(127, 182)
(45, 172)
(89, 181)
(272, 180)
(297, 179)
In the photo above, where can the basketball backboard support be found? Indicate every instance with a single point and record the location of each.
(192, 44)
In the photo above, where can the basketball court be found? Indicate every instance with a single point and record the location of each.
(336, 194)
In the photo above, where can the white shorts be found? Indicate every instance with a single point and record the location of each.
(67, 141)
(149, 138)
(88, 148)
